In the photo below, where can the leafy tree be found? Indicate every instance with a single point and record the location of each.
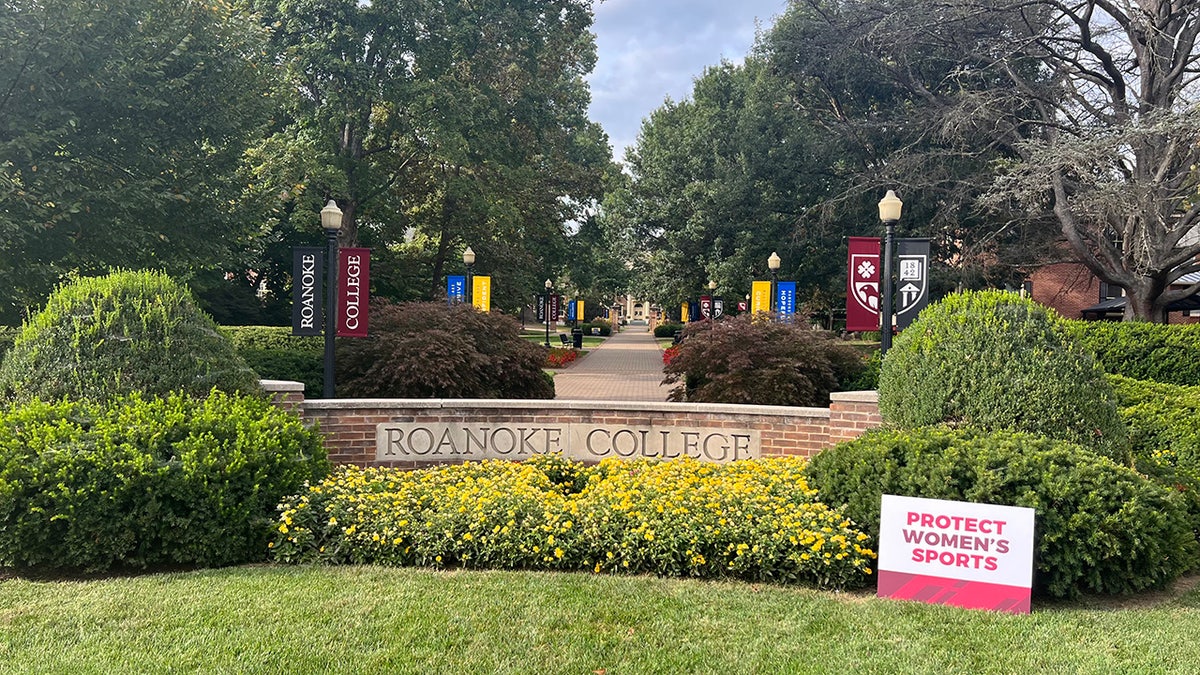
(120, 125)
(1079, 114)
(435, 127)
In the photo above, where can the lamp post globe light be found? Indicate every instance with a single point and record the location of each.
(773, 263)
(331, 222)
(469, 261)
(889, 212)
(549, 285)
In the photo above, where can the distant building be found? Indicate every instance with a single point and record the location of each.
(1074, 292)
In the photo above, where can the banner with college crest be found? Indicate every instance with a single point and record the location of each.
(862, 284)
(912, 280)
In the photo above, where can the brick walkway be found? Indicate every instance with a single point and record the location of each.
(627, 367)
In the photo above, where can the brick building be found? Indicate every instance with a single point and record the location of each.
(1074, 292)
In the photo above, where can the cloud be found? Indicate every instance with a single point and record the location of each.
(649, 50)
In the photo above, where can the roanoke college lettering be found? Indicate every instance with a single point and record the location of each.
(588, 442)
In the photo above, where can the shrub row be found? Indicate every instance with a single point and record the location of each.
(1164, 430)
(604, 326)
(1100, 527)
(141, 482)
(995, 360)
(753, 520)
(667, 330)
(1143, 351)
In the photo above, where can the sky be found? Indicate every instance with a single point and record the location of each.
(649, 50)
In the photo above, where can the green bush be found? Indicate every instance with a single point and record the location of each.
(7, 335)
(1164, 430)
(1100, 527)
(754, 519)
(436, 350)
(275, 354)
(747, 359)
(1143, 351)
(667, 330)
(141, 482)
(994, 360)
(103, 337)
(604, 326)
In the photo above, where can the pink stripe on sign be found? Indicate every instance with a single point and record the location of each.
(966, 594)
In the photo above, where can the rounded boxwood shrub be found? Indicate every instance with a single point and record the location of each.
(103, 337)
(995, 360)
(139, 482)
(1100, 527)
(436, 350)
(1143, 351)
(747, 359)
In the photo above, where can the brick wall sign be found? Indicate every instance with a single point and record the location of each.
(977, 556)
(441, 442)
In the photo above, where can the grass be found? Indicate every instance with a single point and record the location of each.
(370, 619)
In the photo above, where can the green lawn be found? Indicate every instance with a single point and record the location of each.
(369, 619)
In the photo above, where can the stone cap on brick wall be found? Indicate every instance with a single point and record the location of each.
(556, 404)
(870, 396)
(273, 386)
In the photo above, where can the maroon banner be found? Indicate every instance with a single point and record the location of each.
(862, 284)
(354, 290)
(555, 307)
(706, 307)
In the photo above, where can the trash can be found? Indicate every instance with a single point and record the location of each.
(577, 337)
(678, 337)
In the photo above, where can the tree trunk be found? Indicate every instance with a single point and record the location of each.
(1143, 302)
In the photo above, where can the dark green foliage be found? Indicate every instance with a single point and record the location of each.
(750, 360)
(994, 360)
(1100, 527)
(7, 335)
(868, 378)
(1164, 430)
(604, 326)
(432, 350)
(666, 330)
(142, 482)
(103, 337)
(1142, 350)
(275, 354)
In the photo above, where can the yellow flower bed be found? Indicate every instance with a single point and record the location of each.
(753, 519)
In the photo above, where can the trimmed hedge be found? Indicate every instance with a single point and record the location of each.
(143, 482)
(604, 326)
(995, 360)
(1100, 527)
(753, 519)
(105, 337)
(275, 354)
(1143, 351)
(667, 330)
(1164, 429)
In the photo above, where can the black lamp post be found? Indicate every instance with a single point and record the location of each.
(469, 261)
(773, 264)
(549, 285)
(889, 213)
(712, 299)
(331, 222)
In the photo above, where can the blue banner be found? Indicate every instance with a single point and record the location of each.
(456, 289)
(785, 299)
(571, 310)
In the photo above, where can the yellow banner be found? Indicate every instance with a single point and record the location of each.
(579, 311)
(481, 293)
(760, 296)
(683, 312)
